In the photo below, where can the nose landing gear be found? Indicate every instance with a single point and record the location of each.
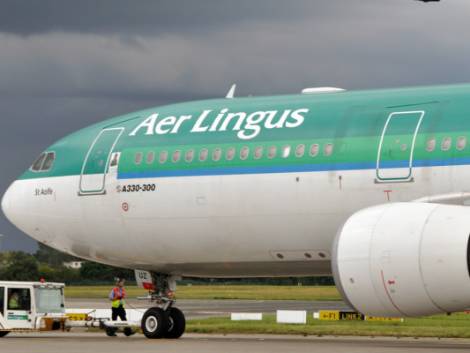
(163, 320)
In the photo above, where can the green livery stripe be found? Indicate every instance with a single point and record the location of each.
(352, 122)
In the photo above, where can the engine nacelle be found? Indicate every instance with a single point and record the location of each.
(404, 259)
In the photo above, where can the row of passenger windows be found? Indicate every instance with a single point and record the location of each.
(270, 152)
(229, 153)
(44, 162)
(446, 144)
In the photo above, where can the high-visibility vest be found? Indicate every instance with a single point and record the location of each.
(117, 296)
(13, 304)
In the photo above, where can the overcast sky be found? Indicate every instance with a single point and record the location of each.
(67, 64)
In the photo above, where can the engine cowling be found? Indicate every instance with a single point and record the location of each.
(404, 259)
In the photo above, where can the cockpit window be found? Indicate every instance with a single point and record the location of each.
(44, 162)
(47, 165)
(38, 162)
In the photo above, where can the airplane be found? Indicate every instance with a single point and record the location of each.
(369, 186)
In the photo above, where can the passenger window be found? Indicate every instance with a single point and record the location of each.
(300, 151)
(272, 152)
(189, 156)
(38, 162)
(216, 154)
(446, 144)
(285, 152)
(258, 152)
(314, 149)
(150, 157)
(138, 157)
(230, 154)
(431, 145)
(47, 165)
(176, 156)
(163, 157)
(203, 154)
(328, 149)
(461, 143)
(2, 300)
(244, 152)
(19, 299)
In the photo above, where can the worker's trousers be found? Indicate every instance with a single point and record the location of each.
(118, 312)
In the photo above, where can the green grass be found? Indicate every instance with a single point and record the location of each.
(455, 326)
(253, 292)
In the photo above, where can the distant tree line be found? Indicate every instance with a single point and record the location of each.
(48, 263)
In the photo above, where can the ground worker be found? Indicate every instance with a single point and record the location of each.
(117, 296)
(14, 301)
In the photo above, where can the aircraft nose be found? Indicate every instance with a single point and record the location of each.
(16, 208)
(13, 204)
(6, 203)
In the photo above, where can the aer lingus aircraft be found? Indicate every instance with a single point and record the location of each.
(370, 186)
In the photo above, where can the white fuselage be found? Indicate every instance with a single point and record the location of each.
(231, 225)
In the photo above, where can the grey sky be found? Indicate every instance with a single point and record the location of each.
(66, 64)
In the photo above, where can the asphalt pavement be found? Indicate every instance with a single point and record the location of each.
(196, 343)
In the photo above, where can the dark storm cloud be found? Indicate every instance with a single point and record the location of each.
(67, 64)
(143, 16)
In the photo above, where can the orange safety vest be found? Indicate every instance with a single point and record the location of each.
(117, 296)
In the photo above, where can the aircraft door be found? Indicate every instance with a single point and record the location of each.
(396, 147)
(95, 166)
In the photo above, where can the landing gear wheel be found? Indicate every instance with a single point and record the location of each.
(4, 333)
(154, 323)
(176, 323)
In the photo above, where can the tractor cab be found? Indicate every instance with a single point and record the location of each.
(26, 306)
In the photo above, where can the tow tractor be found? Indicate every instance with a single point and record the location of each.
(40, 306)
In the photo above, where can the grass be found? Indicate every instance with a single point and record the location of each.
(455, 326)
(253, 292)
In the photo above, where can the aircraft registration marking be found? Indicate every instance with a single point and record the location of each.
(136, 188)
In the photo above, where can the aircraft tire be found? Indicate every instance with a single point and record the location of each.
(176, 323)
(154, 323)
(4, 333)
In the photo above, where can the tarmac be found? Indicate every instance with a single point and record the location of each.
(199, 343)
(81, 341)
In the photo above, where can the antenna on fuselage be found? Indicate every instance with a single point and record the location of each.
(231, 92)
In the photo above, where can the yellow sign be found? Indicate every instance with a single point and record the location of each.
(331, 315)
(336, 315)
(77, 317)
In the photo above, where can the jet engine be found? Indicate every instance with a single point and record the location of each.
(404, 259)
